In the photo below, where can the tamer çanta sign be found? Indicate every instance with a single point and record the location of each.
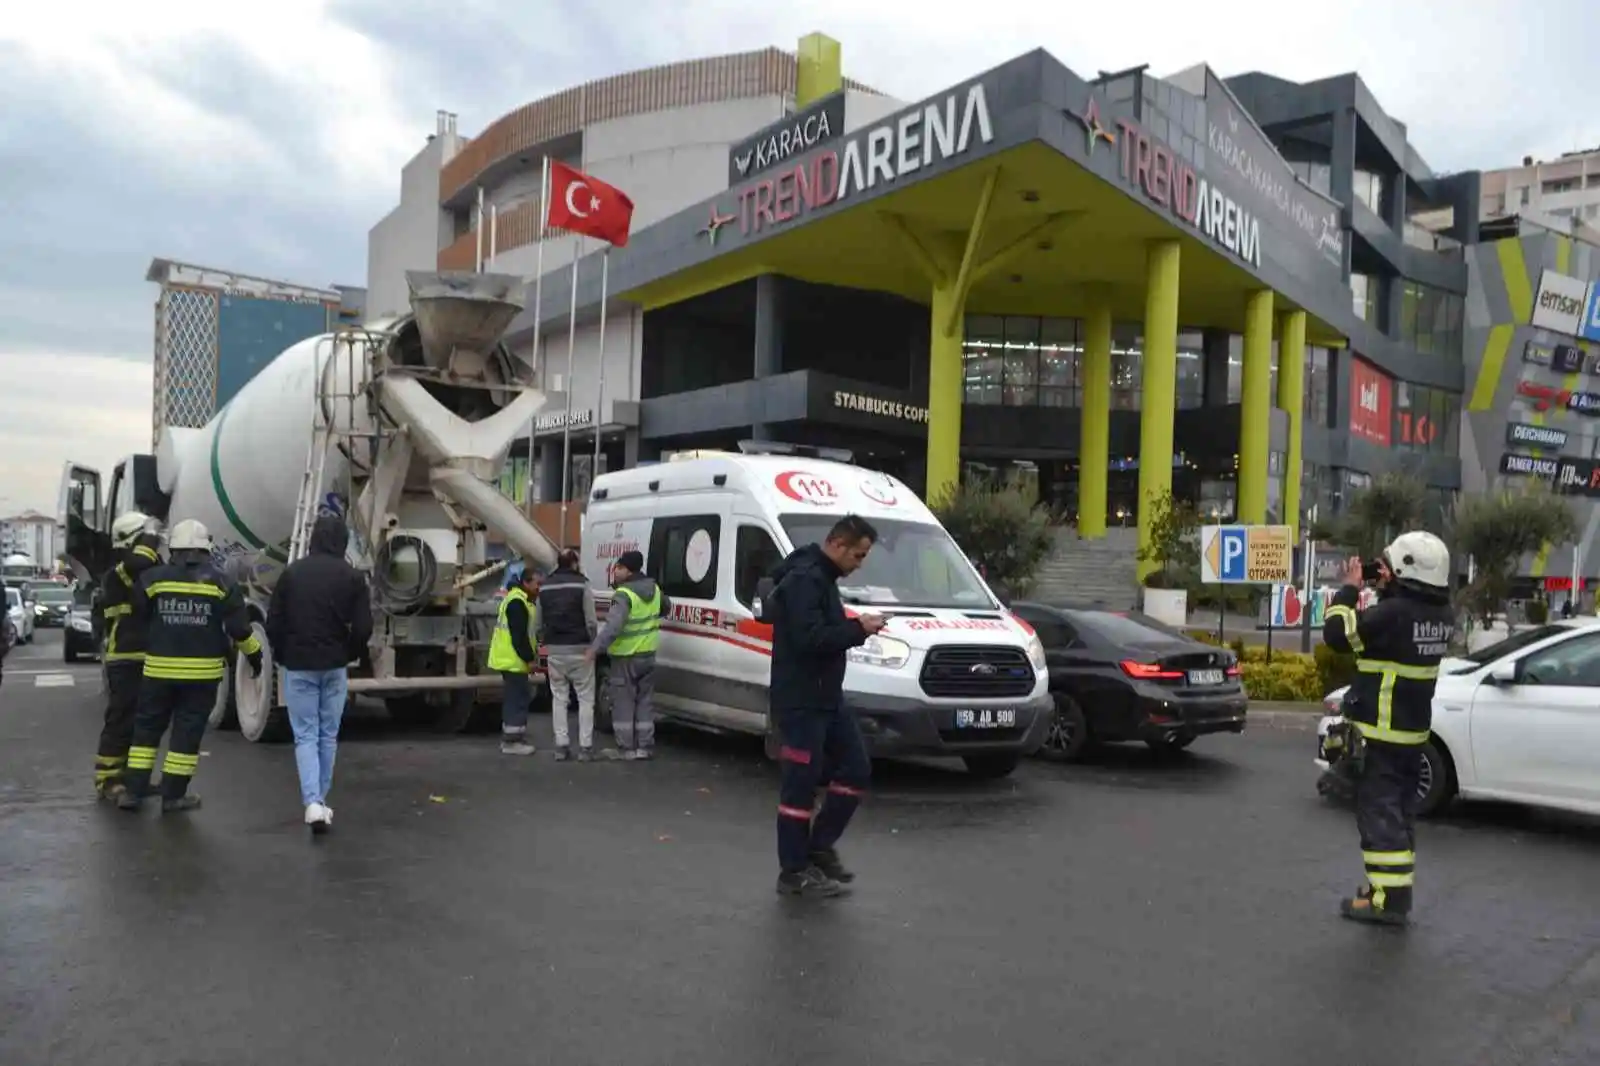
(892, 150)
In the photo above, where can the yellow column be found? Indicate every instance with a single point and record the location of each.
(1291, 387)
(1094, 434)
(1255, 408)
(1160, 384)
(945, 391)
(818, 71)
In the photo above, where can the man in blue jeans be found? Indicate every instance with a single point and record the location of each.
(319, 622)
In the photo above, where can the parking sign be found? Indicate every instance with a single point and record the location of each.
(1246, 555)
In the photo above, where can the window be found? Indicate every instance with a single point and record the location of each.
(683, 555)
(1318, 387)
(1574, 662)
(1430, 319)
(1364, 297)
(1368, 188)
(983, 358)
(1127, 366)
(1191, 388)
(754, 556)
(1060, 362)
(914, 564)
(1021, 362)
(1053, 630)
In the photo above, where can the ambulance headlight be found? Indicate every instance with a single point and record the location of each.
(1035, 648)
(883, 651)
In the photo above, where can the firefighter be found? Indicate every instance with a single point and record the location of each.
(136, 538)
(1398, 643)
(192, 614)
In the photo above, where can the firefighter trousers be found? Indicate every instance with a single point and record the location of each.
(1386, 818)
(122, 706)
(818, 749)
(186, 706)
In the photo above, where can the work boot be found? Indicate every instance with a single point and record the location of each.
(808, 882)
(1362, 909)
(563, 753)
(129, 801)
(109, 791)
(827, 860)
(179, 804)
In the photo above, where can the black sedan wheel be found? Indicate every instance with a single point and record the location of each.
(1068, 739)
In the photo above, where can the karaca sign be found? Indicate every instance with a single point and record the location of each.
(1169, 181)
(783, 140)
(888, 152)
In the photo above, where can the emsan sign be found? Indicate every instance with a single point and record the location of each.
(940, 130)
(1170, 182)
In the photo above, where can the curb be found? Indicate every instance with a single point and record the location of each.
(1286, 718)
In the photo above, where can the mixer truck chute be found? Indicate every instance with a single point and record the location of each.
(402, 427)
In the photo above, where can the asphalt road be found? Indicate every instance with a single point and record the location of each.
(474, 908)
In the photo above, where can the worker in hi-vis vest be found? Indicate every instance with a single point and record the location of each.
(513, 653)
(630, 636)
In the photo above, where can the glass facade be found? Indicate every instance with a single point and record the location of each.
(1369, 189)
(1430, 319)
(1026, 361)
(1425, 419)
(1364, 297)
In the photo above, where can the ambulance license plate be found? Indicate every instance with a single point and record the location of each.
(1002, 718)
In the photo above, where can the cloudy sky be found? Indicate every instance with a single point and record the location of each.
(267, 137)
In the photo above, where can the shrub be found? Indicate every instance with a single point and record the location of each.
(1538, 612)
(1495, 529)
(1001, 529)
(1173, 550)
(1290, 676)
(1334, 669)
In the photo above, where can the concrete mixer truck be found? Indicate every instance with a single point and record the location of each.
(402, 427)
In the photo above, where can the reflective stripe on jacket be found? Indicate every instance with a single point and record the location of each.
(192, 615)
(641, 633)
(1398, 643)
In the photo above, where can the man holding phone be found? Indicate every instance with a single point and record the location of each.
(819, 737)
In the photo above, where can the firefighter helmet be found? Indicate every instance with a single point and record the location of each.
(126, 530)
(1420, 559)
(189, 535)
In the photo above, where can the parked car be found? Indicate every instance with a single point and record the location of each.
(52, 602)
(1119, 676)
(79, 641)
(21, 615)
(1514, 721)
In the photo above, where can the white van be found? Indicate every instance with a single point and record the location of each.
(953, 673)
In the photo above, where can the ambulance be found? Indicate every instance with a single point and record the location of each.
(953, 673)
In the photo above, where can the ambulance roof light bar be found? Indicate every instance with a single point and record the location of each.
(799, 451)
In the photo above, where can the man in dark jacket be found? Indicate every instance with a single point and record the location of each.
(319, 622)
(567, 624)
(819, 737)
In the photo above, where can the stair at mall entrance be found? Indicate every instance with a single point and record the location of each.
(1085, 573)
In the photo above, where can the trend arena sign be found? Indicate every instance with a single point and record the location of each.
(1170, 182)
(942, 129)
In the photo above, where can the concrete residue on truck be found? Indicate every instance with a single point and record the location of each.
(402, 427)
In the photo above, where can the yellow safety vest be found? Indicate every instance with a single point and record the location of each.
(641, 633)
(503, 657)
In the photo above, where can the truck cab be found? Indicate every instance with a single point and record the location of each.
(953, 673)
(87, 506)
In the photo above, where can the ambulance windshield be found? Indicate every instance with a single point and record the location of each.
(913, 564)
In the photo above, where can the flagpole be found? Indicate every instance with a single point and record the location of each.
(478, 233)
(538, 304)
(600, 389)
(494, 231)
(566, 430)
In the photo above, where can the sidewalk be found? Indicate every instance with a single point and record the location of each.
(1284, 714)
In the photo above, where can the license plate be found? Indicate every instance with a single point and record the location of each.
(1205, 677)
(989, 719)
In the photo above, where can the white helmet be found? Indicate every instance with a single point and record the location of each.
(126, 530)
(189, 535)
(1420, 558)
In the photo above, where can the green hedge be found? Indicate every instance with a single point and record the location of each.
(1291, 675)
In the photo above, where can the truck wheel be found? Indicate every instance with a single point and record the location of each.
(991, 767)
(225, 712)
(262, 718)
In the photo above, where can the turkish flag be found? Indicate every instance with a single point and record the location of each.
(581, 204)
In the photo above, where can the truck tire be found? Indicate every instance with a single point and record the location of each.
(263, 719)
(225, 713)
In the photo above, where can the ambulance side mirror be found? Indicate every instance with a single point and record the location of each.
(764, 589)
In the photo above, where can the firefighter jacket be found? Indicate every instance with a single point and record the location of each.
(124, 633)
(1398, 643)
(193, 615)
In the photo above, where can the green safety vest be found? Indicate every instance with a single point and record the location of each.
(503, 657)
(641, 634)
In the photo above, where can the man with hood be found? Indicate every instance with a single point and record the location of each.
(319, 622)
(630, 636)
(820, 741)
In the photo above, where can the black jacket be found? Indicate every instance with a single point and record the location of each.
(810, 633)
(321, 613)
(124, 631)
(193, 616)
(1398, 643)
(566, 610)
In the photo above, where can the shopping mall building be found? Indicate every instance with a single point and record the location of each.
(1250, 290)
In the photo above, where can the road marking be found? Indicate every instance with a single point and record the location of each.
(53, 681)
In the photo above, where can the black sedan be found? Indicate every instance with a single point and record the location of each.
(1124, 676)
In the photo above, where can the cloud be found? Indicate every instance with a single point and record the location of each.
(91, 409)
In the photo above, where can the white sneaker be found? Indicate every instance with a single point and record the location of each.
(318, 817)
(327, 815)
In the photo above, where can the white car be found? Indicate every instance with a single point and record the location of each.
(21, 617)
(1518, 720)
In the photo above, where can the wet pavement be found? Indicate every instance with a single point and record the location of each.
(476, 908)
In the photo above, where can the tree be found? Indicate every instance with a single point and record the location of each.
(1001, 529)
(1173, 548)
(1373, 517)
(1495, 530)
